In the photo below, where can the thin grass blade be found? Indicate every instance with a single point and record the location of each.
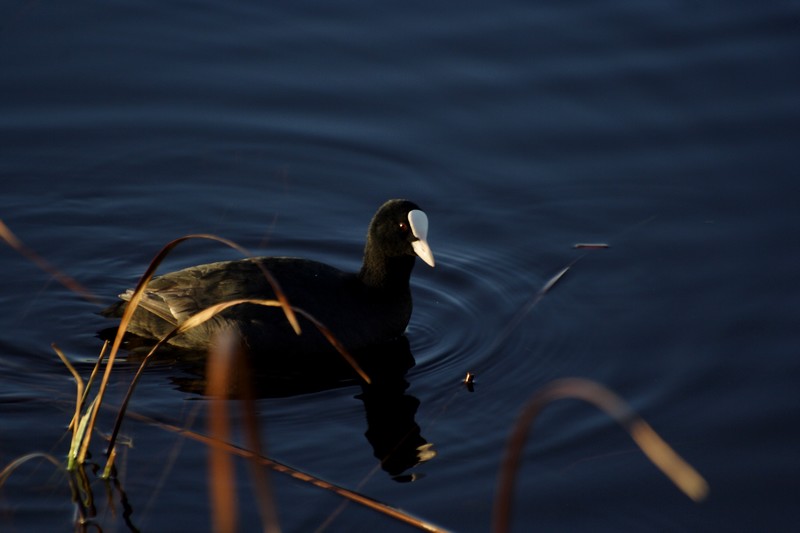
(78, 384)
(78, 455)
(555, 279)
(95, 369)
(70, 283)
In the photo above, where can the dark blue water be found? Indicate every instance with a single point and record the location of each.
(667, 130)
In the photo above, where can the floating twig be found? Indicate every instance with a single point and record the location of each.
(591, 245)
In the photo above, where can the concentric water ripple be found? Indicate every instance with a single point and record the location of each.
(479, 313)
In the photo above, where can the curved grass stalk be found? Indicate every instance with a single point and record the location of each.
(659, 452)
(77, 427)
(134, 303)
(70, 283)
(201, 317)
(79, 424)
(19, 461)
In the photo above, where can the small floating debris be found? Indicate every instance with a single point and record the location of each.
(469, 381)
(591, 245)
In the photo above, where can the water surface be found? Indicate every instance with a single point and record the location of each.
(668, 131)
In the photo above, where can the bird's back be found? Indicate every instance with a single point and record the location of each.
(357, 316)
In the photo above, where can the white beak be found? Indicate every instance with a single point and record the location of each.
(418, 221)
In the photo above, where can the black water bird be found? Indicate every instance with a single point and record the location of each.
(361, 309)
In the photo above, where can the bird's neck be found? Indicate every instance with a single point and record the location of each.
(386, 273)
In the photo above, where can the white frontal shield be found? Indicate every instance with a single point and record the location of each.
(418, 221)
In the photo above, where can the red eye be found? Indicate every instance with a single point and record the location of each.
(403, 226)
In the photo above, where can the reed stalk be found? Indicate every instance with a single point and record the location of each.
(659, 452)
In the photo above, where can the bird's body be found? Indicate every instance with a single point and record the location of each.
(360, 309)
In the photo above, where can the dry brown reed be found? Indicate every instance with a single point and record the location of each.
(136, 297)
(206, 314)
(659, 452)
(228, 369)
(19, 461)
(221, 483)
(276, 466)
(221, 451)
(67, 281)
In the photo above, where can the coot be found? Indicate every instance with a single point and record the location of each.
(361, 309)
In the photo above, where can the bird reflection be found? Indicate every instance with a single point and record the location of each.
(392, 430)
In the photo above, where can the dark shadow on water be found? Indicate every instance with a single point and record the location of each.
(391, 426)
(392, 430)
